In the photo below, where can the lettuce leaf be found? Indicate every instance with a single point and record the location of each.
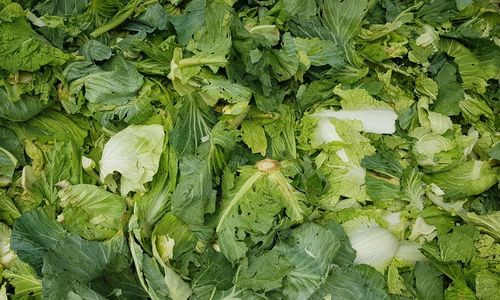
(21, 48)
(91, 212)
(135, 153)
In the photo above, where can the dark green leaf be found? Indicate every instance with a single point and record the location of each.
(195, 123)
(33, 235)
(450, 92)
(21, 48)
(429, 281)
(265, 272)
(358, 282)
(193, 196)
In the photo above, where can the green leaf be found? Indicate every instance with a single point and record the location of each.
(395, 283)
(136, 111)
(487, 285)
(24, 109)
(154, 277)
(377, 52)
(281, 134)
(76, 266)
(213, 40)
(218, 88)
(194, 125)
(284, 62)
(252, 203)
(21, 48)
(300, 9)
(478, 112)
(34, 233)
(489, 223)
(459, 291)
(230, 218)
(190, 20)
(115, 87)
(427, 86)
(95, 50)
(495, 151)
(359, 282)
(216, 273)
(61, 165)
(146, 268)
(61, 7)
(152, 205)
(320, 52)
(474, 72)
(437, 12)
(223, 139)
(316, 91)
(254, 136)
(193, 197)
(376, 31)
(475, 177)
(413, 188)
(10, 142)
(344, 19)
(24, 280)
(8, 210)
(310, 249)
(346, 254)
(135, 153)
(464, 237)
(91, 212)
(171, 228)
(383, 176)
(8, 164)
(155, 16)
(178, 288)
(429, 281)
(450, 93)
(121, 16)
(381, 189)
(265, 272)
(51, 125)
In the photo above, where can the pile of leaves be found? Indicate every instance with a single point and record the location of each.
(249, 149)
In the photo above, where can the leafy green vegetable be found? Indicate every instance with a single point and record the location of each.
(91, 212)
(311, 249)
(33, 235)
(24, 280)
(476, 176)
(354, 283)
(195, 122)
(374, 245)
(263, 149)
(8, 164)
(450, 93)
(255, 199)
(107, 87)
(135, 153)
(21, 47)
(193, 196)
(7, 256)
(85, 262)
(428, 281)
